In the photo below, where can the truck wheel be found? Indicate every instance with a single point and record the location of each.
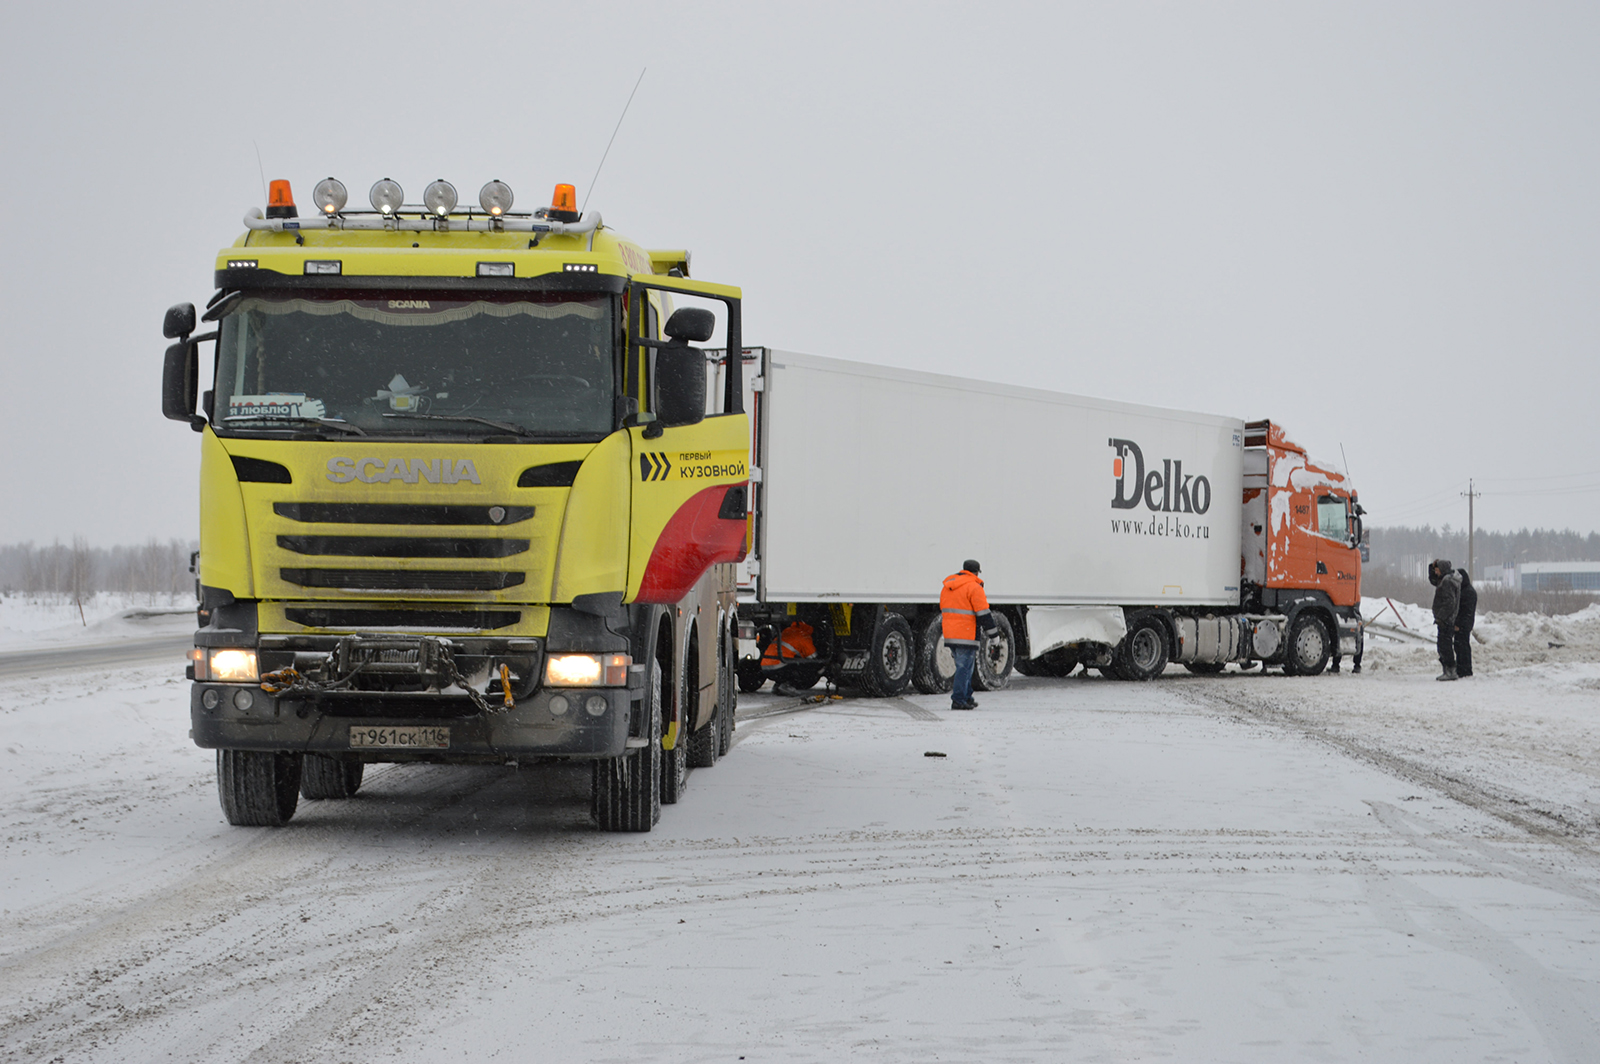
(725, 720)
(888, 670)
(1309, 647)
(627, 790)
(705, 745)
(1206, 668)
(935, 668)
(1142, 654)
(751, 678)
(258, 788)
(1056, 663)
(675, 762)
(328, 777)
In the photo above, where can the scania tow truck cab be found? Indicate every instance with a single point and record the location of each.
(465, 498)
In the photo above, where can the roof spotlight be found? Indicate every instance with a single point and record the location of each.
(440, 197)
(329, 195)
(496, 197)
(386, 197)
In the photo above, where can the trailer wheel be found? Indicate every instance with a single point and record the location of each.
(996, 656)
(935, 669)
(258, 789)
(889, 665)
(1309, 647)
(626, 791)
(751, 678)
(1056, 663)
(328, 777)
(1206, 668)
(1142, 654)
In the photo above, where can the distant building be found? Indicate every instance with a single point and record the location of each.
(1559, 576)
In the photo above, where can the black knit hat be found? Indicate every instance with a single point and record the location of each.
(971, 566)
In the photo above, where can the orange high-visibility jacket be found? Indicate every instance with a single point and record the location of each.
(961, 604)
(795, 642)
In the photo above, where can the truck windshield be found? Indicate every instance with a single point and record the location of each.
(537, 364)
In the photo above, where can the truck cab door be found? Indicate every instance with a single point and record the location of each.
(689, 480)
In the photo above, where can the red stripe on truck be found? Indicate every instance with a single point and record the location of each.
(694, 540)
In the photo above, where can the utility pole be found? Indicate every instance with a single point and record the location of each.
(1472, 496)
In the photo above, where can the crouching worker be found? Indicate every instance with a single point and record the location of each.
(793, 644)
(964, 610)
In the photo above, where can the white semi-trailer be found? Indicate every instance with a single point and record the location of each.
(1117, 536)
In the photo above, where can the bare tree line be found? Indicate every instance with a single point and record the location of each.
(76, 572)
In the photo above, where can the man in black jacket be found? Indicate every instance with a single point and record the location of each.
(1446, 608)
(1466, 616)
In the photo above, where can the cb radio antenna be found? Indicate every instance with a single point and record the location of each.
(610, 142)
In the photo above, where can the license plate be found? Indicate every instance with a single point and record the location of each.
(400, 738)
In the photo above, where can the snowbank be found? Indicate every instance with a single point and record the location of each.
(26, 624)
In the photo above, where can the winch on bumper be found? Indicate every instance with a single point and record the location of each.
(405, 698)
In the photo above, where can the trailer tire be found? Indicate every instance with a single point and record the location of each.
(889, 664)
(329, 777)
(997, 656)
(258, 788)
(935, 670)
(626, 790)
(1055, 663)
(1206, 668)
(1309, 647)
(1142, 654)
(751, 678)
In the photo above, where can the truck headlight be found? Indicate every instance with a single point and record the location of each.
(234, 666)
(587, 670)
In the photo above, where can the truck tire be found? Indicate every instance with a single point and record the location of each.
(997, 655)
(626, 791)
(259, 789)
(1056, 663)
(675, 762)
(1309, 647)
(751, 678)
(705, 745)
(726, 722)
(1206, 668)
(1142, 654)
(889, 665)
(935, 668)
(328, 777)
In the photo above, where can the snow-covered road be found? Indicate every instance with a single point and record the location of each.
(1240, 868)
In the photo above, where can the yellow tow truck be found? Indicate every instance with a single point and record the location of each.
(469, 493)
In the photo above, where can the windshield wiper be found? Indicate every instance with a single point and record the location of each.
(503, 426)
(342, 426)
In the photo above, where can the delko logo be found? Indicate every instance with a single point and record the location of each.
(1167, 490)
(387, 470)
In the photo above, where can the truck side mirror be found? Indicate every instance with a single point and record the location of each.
(680, 384)
(178, 322)
(180, 380)
(691, 325)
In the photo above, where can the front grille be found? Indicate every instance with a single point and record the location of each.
(402, 546)
(367, 513)
(403, 579)
(388, 617)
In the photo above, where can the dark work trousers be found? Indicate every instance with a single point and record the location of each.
(1447, 647)
(961, 689)
(1463, 649)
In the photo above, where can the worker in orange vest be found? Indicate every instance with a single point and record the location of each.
(793, 645)
(964, 610)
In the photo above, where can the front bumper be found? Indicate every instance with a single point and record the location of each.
(321, 724)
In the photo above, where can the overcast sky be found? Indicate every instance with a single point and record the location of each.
(1376, 224)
